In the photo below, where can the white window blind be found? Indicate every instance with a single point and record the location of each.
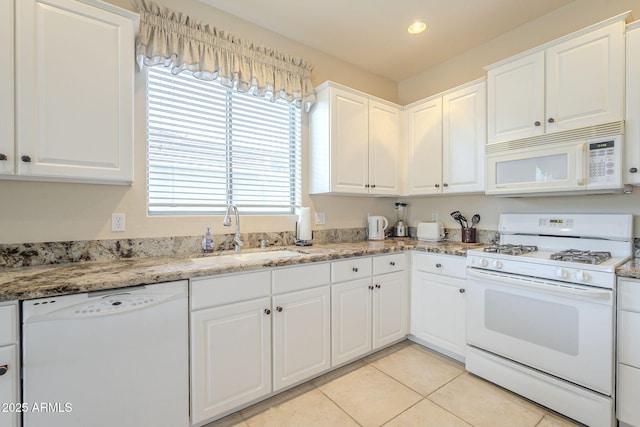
(208, 146)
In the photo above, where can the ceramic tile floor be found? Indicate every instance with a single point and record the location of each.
(404, 385)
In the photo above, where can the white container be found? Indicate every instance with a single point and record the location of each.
(377, 225)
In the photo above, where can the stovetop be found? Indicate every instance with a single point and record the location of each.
(568, 255)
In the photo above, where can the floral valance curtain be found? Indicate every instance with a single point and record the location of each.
(181, 42)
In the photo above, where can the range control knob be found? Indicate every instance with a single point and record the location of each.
(483, 262)
(582, 276)
(561, 273)
(496, 264)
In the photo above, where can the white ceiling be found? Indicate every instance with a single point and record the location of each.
(372, 34)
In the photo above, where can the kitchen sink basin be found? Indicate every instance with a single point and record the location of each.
(238, 258)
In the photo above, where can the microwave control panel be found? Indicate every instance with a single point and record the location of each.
(604, 162)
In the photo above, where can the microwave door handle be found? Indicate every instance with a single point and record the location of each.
(581, 159)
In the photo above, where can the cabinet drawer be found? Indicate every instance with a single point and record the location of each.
(349, 269)
(629, 295)
(447, 265)
(628, 342)
(8, 325)
(302, 277)
(628, 397)
(213, 291)
(389, 263)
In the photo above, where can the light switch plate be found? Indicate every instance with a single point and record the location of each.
(320, 218)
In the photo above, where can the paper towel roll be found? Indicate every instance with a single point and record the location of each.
(304, 224)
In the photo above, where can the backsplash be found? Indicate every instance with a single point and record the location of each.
(33, 254)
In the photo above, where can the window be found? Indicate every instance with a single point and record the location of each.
(208, 146)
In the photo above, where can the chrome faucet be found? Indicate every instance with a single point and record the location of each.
(237, 240)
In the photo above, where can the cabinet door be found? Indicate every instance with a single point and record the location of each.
(424, 151)
(464, 118)
(390, 308)
(301, 335)
(628, 395)
(230, 357)
(438, 312)
(349, 142)
(632, 119)
(585, 80)
(9, 386)
(515, 99)
(74, 85)
(350, 320)
(6, 88)
(384, 148)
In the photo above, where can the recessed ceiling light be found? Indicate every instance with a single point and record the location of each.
(417, 27)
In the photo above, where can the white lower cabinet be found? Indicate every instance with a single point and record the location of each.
(628, 393)
(438, 302)
(370, 310)
(9, 366)
(252, 334)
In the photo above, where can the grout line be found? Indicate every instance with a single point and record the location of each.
(336, 403)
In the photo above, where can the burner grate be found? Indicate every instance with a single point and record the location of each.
(585, 257)
(510, 249)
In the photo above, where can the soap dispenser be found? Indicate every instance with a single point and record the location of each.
(207, 241)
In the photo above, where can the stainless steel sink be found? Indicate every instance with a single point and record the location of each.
(239, 258)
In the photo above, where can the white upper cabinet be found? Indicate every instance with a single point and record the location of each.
(6, 88)
(464, 134)
(74, 91)
(355, 143)
(446, 136)
(632, 119)
(573, 82)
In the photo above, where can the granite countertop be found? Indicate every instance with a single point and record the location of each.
(53, 280)
(630, 269)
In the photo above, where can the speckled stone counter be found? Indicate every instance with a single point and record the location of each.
(630, 269)
(53, 280)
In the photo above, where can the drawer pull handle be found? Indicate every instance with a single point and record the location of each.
(279, 309)
(4, 369)
(438, 265)
(370, 287)
(461, 290)
(267, 311)
(355, 269)
(377, 286)
(392, 264)
(633, 170)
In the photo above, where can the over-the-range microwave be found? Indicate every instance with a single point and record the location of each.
(578, 166)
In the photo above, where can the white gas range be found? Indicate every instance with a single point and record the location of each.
(541, 309)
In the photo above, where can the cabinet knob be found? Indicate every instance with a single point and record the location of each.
(366, 186)
(378, 286)
(26, 159)
(437, 185)
(633, 170)
(537, 123)
(355, 269)
(445, 185)
(461, 290)
(392, 263)
(373, 186)
(370, 287)
(438, 265)
(4, 369)
(279, 309)
(267, 311)
(3, 156)
(550, 120)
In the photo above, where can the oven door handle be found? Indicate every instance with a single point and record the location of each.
(540, 284)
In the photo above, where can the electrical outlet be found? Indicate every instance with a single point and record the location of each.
(320, 218)
(434, 217)
(117, 222)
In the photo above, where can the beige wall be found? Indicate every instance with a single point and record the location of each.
(36, 212)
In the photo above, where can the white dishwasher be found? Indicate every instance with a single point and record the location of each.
(110, 358)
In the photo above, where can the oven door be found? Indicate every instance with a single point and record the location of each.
(562, 329)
